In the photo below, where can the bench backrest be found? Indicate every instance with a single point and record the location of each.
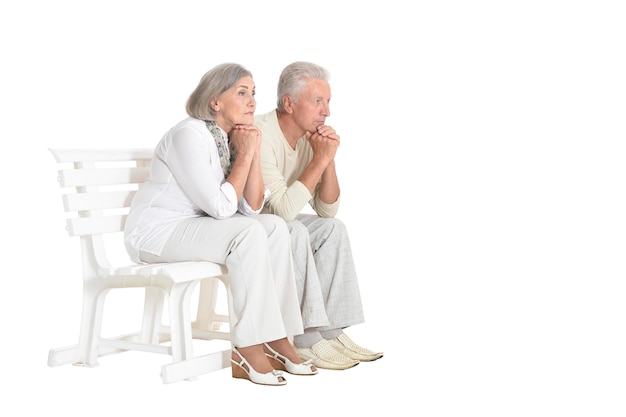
(100, 185)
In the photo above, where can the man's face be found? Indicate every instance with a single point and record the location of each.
(312, 107)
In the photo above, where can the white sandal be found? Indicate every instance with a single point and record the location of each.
(271, 378)
(283, 363)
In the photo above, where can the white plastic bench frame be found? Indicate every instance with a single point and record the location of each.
(100, 184)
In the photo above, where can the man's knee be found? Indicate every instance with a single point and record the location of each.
(299, 233)
(331, 227)
(297, 228)
(337, 225)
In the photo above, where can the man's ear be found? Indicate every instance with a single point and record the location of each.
(288, 103)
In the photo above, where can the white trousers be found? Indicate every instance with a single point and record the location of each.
(257, 252)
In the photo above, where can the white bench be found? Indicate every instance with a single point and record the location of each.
(100, 185)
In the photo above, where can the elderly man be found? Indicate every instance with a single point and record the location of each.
(298, 167)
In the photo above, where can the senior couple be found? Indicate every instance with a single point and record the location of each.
(229, 187)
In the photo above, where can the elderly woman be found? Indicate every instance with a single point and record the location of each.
(201, 203)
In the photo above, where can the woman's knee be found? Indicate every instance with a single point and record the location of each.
(274, 225)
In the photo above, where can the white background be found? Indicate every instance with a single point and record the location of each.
(482, 169)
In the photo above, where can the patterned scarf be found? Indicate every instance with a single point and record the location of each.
(220, 141)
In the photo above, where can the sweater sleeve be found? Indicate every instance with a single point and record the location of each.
(284, 200)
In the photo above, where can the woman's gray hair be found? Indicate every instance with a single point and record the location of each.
(294, 78)
(212, 85)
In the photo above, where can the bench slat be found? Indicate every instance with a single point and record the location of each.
(82, 226)
(102, 176)
(98, 201)
(94, 155)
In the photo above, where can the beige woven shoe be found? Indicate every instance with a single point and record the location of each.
(325, 356)
(344, 345)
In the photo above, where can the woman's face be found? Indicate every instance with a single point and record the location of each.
(236, 105)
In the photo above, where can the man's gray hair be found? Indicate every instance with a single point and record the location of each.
(294, 78)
